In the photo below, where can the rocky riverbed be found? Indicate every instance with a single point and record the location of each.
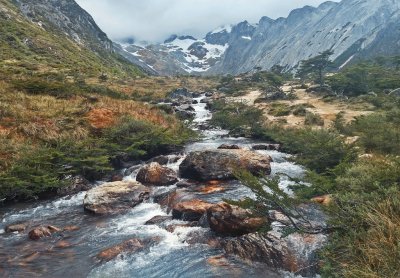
(165, 218)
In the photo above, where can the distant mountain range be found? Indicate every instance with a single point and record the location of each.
(353, 29)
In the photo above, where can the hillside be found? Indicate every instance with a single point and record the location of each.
(39, 37)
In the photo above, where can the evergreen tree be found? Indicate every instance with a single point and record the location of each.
(316, 66)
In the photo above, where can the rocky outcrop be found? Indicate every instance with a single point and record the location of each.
(191, 210)
(228, 220)
(115, 197)
(155, 174)
(295, 253)
(221, 164)
(43, 231)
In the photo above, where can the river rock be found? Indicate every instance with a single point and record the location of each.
(115, 197)
(295, 253)
(267, 147)
(157, 220)
(129, 246)
(229, 147)
(43, 231)
(155, 174)
(15, 228)
(221, 164)
(191, 210)
(75, 185)
(169, 199)
(228, 220)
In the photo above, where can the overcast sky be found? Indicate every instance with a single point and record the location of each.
(155, 20)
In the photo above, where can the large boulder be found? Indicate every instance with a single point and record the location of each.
(155, 174)
(221, 164)
(228, 220)
(115, 197)
(191, 210)
(295, 253)
(75, 184)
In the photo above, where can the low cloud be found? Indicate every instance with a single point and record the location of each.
(155, 20)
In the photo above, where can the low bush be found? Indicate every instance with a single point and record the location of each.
(313, 119)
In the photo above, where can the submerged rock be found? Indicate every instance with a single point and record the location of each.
(43, 231)
(230, 220)
(295, 253)
(155, 174)
(115, 197)
(191, 210)
(16, 228)
(221, 164)
(128, 246)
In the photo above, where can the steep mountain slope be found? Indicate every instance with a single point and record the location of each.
(353, 29)
(55, 36)
(348, 28)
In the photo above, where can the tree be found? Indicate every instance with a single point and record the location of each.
(316, 66)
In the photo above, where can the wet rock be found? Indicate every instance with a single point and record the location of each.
(164, 159)
(185, 115)
(169, 199)
(16, 228)
(173, 227)
(117, 178)
(229, 147)
(129, 246)
(115, 197)
(267, 147)
(155, 174)
(221, 164)
(209, 94)
(209, 189)
(191, 210)
(195, 101)
(219, 261)
(76, 185)
(43, 231)
(228, 220)
(295, 253)
(157, 220)
(71, 228)
(184, 184)
(63, 244)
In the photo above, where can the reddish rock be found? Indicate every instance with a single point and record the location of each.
(219, 261)
(129, 246)
(43, 231)
(117, 178)
(230, 220)
(170, 199)
(71, 228)
(190, 210)
(208, 189)
(155, 174)
(63, 244)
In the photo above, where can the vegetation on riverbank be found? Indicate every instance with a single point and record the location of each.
(356, 163)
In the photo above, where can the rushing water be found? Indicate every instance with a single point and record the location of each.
(175, 255)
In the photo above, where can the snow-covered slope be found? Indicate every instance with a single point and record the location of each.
(353, 29)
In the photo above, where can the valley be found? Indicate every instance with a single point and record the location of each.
(266, 149)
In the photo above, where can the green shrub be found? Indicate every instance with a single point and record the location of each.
(280, 109)
(313, 119)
